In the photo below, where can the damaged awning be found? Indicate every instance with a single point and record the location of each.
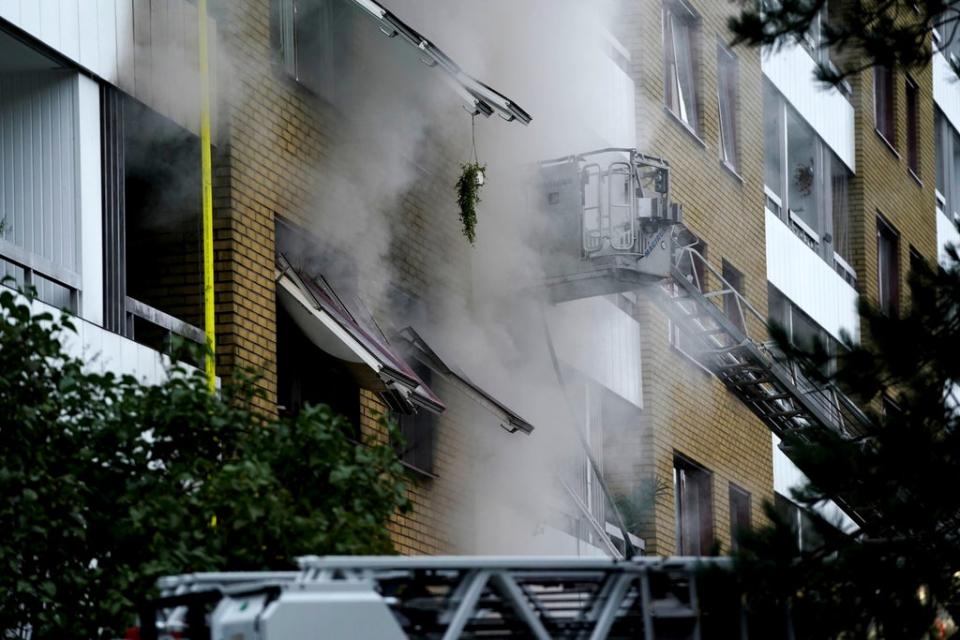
(326, 322)
(480, 98)
(511, 421)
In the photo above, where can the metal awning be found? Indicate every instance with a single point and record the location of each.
(511, 421)
(326, 322)
(480, 98)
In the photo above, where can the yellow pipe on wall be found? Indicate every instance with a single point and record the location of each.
(206, 167)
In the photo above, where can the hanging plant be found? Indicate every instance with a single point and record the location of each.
(468, 196)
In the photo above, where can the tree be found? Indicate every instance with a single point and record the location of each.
(898, 575)
(859, 33)
(108, 484)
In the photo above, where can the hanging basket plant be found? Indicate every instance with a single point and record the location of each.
(468, 197)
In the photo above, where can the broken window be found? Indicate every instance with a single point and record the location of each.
(801, 330)
(883, 103)
(805, 535)
(728, 106)
(739, 514)
(39, 211)
(308, 376)
(888, 268)
(153, 269)
(913, 122)
(694, 507)
(681, 63)
(418, 431)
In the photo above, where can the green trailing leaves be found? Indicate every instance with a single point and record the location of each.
(469, 183)
(108, 484)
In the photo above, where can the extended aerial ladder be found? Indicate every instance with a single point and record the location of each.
(393, 598)
(613, 228)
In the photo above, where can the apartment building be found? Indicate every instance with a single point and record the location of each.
(339, 255)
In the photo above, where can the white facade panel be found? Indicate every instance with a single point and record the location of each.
(791, 70)
(946, 234)
(595, 337)
(90, 199)
(946, 89)
(69, 28)
(809, 282)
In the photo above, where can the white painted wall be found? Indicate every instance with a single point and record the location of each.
(946, 234)
(595, 337)
(786, 477)
(148, 48)
(809, 281)
(946, 89)
(791, 69)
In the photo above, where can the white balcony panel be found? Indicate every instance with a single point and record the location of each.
(946, 89)
(809, 281)
(946, 234)
(595, 337)
(786, 477)
(90, 199)
(148, 48)
(791, 70)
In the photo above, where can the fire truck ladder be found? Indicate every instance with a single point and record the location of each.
(781, 391)
(468, 597)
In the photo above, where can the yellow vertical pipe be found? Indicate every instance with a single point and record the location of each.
(206, 167)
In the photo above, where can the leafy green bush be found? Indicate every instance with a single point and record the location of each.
(108, 484)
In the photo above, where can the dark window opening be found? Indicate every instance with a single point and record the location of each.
(731, 304)
(306, 375)
(304, 35)
(883, 103)
(888, 268)
(805, 535)
(801, 330)
(694, 507)
(153, 269)
(739, 514)
(913, 122)
(418, 431)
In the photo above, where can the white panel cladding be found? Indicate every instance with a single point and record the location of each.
(91, 212)
(786, 477)
(598, 339)
(147, 48)
(808, 281)
(38, 164)
(946, 89)
(946, 234)
(791, 70)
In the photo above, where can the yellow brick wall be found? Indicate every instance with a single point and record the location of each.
(687, 410)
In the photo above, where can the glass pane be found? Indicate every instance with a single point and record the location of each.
(954, 188)
(802, 182)
(772, 152)
(840, 178)
(941, 147)
(686, 82)
(727, 101)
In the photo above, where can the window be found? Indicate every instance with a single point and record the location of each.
(681, 63)
(801, 330)
(888, 268)
(731, 306)
(739, 514)
(805, 534)
(304, 36)
(947, 145)
(728, 107)
(946, 37)
(694, 507)
(806, 184)
(913, 143)
(418, 431)
(697, 274)
(883, 103)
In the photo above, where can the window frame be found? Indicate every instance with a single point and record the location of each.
(885, 105)
(289, 19)
(735, 278)
(912, 130)
(686, 471)
(673, 91)
(887, 231)
(728, 92)
(737, 510)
